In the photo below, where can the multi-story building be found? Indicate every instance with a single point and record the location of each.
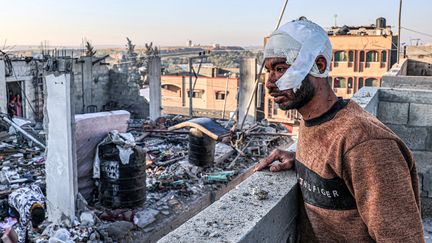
(361, 55)
(210, 96)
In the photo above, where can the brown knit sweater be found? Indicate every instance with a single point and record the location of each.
(358, 180)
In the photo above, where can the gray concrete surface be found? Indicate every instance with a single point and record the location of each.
(367, 98)
(393, 112)
(155, 87)
(405, 95)
(263, 208)
(420, 114)
(61, 176)
(248, 74)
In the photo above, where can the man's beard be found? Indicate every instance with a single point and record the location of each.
(301, 97)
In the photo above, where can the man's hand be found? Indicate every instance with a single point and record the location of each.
(285, 158)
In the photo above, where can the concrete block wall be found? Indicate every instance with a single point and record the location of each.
(409, 114)
(98, 85)
(91, 84)
(407, 82)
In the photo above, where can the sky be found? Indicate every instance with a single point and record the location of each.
(174, 22)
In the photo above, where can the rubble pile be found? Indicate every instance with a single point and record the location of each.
(20, 165)
(174, 186)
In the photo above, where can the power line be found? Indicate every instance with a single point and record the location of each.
(418, 32)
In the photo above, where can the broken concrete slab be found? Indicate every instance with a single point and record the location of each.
(120, 230)
(145, 217)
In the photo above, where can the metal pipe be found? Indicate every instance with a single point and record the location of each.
(261, 69)
(399, 31)
(23, 132)
(281, 14)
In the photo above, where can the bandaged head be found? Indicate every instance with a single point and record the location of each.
(300, 42)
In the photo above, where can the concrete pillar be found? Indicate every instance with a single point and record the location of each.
(61, 168)
(155, 87)
(87, 83)
(3, 91)
(248, 74)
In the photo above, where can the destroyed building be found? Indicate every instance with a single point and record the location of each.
(176, 192)
(97, 86)
(78, 106)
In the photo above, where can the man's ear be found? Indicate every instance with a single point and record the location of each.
(321, 63)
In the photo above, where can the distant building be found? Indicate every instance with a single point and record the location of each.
(419, 53)
(361, 55)
(209, 93)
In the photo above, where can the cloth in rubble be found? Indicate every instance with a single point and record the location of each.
(125, 143)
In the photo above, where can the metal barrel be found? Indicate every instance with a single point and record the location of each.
(201, 148)
(122, 185)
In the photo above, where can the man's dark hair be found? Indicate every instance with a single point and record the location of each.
(37, 216)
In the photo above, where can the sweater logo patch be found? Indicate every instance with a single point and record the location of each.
(324, 193)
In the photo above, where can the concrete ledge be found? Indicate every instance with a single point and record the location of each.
(367, 98)
(240, 216)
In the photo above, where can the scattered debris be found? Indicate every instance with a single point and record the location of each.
(260, 194)
(172, 183)
(145, 217)
(87, 219)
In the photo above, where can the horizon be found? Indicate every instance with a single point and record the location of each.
(173, 23)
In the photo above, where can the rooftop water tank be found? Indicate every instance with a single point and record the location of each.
(381, 23)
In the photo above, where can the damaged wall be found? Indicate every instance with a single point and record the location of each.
(125, 95)
(22, 71)
(91, 85)
(97, 87)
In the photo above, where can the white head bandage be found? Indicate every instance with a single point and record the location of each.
(300, 42)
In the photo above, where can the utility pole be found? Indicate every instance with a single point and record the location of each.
(226, 94)
(251, 98)
(399, 31)
(281, 14)
(191, 86)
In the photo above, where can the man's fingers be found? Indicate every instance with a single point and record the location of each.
(266, 161)
(281, 166)
(263, 163)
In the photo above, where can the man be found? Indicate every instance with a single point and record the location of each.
(358, 179)
(27, 204)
